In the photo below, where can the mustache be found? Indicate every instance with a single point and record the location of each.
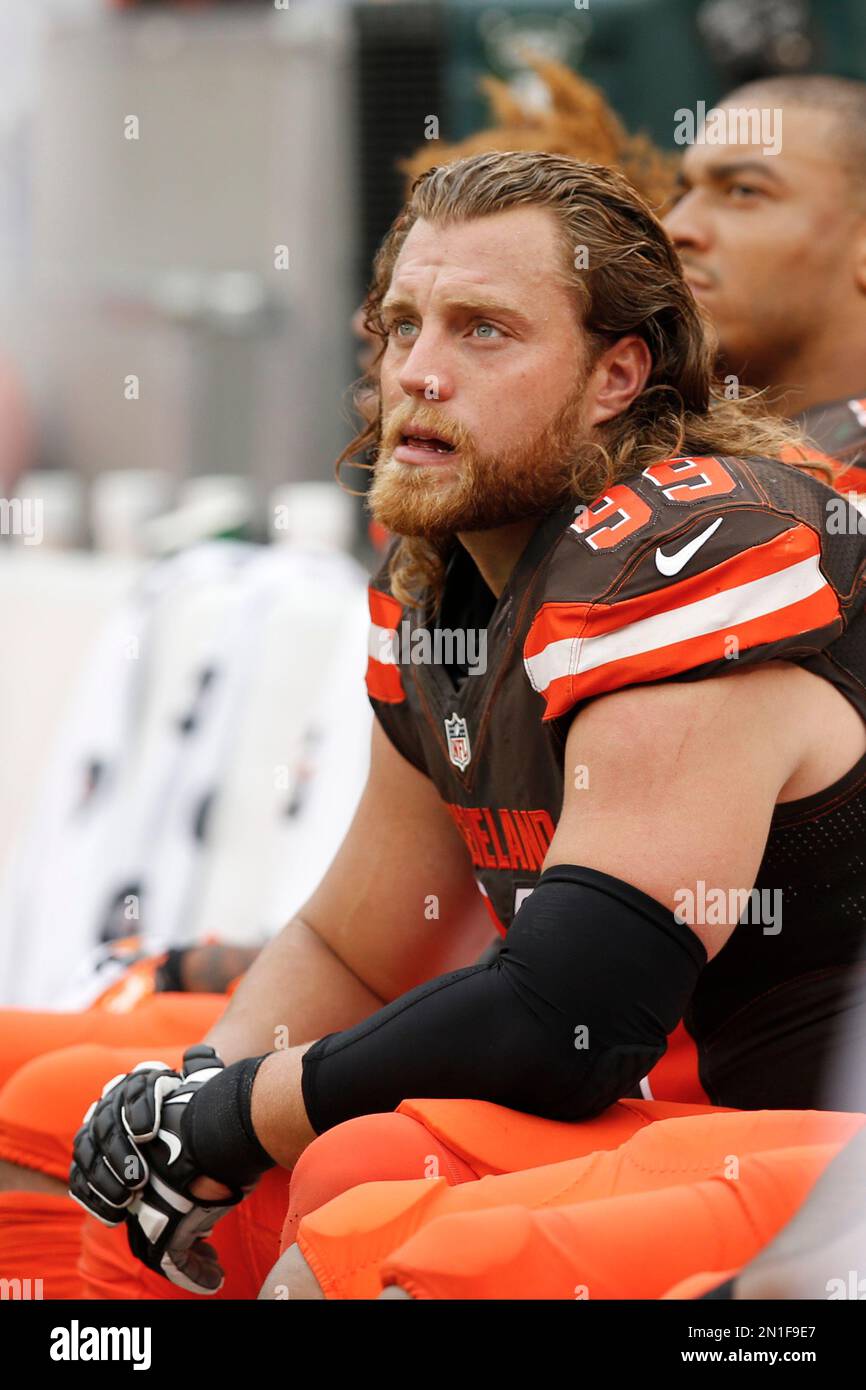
(397, 423)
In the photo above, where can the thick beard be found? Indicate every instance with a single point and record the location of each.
(479, 491)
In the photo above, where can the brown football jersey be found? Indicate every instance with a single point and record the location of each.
(696, 567)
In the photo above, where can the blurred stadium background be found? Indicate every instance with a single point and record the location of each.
(190, 198)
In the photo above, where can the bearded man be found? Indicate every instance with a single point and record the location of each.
(669, 631)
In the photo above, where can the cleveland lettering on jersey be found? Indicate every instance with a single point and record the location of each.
(504, 839)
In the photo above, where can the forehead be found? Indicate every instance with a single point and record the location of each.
(514, 252)
(809, 148)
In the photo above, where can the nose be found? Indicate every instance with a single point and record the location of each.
(426, 371)
(686, 225)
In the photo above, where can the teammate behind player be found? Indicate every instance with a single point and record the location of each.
(774, 248)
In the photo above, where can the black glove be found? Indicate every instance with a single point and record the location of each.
(108, 1166)
(174, 1142)
(165, 1222)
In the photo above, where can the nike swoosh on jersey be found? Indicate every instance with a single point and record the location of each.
(173, 1143)
(672, 564)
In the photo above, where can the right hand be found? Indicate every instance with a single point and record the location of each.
(169, 1205)
(109, 1167)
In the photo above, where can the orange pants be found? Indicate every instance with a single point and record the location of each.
(42, 1103)
(656, 1199)
(650, 1199)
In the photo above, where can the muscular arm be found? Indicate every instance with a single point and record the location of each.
(669, 784)
(398, 905)
(682, 782)
(679, 781)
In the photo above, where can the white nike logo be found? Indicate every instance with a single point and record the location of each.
(174, 1144)
(672, 564)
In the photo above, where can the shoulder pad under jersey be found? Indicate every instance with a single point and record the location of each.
(385, 682)
(690, 569)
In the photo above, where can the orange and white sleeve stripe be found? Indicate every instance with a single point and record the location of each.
(384, 681)
(761, 596)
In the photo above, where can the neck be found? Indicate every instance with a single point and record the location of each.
(821, 371)
(496, 552)
(787, 402)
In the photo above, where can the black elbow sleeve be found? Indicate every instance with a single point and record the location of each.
(592, 977)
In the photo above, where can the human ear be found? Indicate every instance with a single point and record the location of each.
(619, 375)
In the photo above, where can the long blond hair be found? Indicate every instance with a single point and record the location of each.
(632, 283)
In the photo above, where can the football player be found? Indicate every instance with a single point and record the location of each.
(774, 248)
(636, 777)
(37, 1110)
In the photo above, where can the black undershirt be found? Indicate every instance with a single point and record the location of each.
(467, 602)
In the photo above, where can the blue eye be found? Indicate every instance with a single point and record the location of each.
(397, 325)
(491, 326)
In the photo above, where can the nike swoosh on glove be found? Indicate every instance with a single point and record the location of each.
(109, 1166)
(166, 1223)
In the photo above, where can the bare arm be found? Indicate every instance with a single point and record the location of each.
(397, 906)
(680, 780)
(660, 807)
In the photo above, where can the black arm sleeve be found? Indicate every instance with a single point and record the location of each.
(576, 1008)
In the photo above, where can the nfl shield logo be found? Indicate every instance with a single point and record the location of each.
(458, 742)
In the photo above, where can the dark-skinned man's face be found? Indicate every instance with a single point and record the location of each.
(770, 243)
